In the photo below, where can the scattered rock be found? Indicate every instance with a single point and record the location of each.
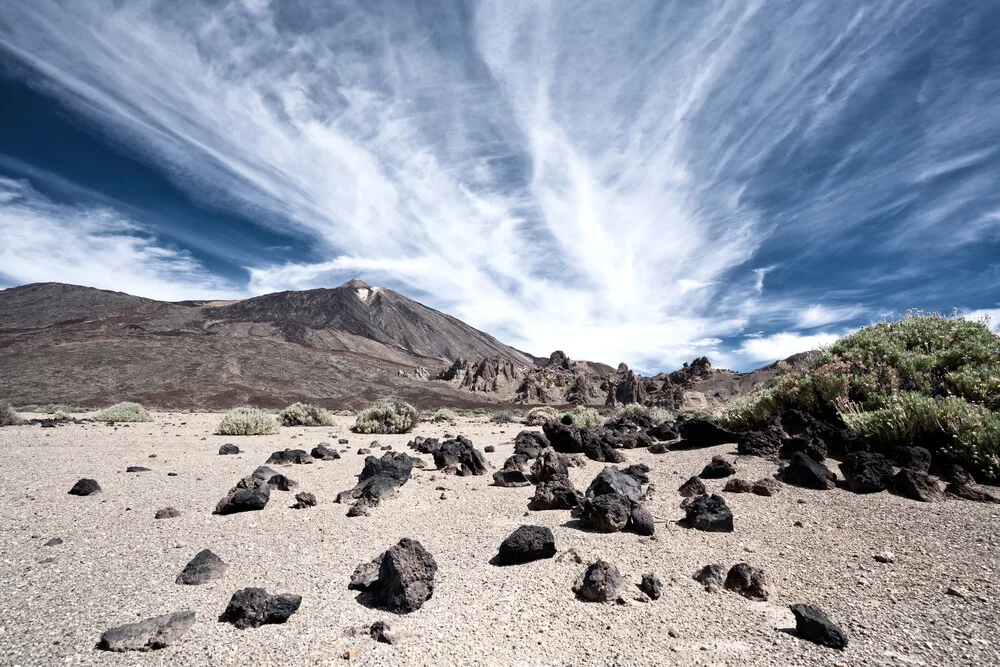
(379, 479)
(813, 625)
(489, 449)
(462, 455)
(324, 453)
(405, 578)
(764, 443)
(386, 632)
(710, 513)
(693, 487)
(149, 634)
(748, 581)
(738, 485)
(601, 582)
(85, 487)
(607, 513)
(228, 449)
(550, 465)
(973, 492)
(652, 585)
(916, 486)
(343, 441)
(812, 447)
(530, 444)
(166, 513)
(254, 607)
(510, 478)
(557, 494)
(137, 469)
(954, 591)
(244, 499)
(885, 557)
(699, 432)
(913, 458)
(867, 472)
(766, 487)
(718, 468)
(303, 500)
(55, 541)
(287, 457)
(203, 568)
(663, 432)
(805, 472)
(351, 654)
(712, 577)
(641, 520)
(526, 544)
(363, 451)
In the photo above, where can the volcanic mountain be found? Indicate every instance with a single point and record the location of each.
(340, 347)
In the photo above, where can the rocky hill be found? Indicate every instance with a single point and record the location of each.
(341, 347)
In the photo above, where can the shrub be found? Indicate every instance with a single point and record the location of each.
(248, 421)
(503, 418)
(62, 416)
(540, 415)
(444, 415)
(582, 416)
(123, 412)
(396, 417)
(302, 414)
(923, 379)
(8, 415)
(657, 415)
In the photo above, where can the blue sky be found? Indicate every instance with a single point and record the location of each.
(642, 181)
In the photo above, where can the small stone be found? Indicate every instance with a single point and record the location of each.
(712, 577)
(55, 541)
(737, 485)
(692, 488)
(748, 581)
(254, 607)
(228, 449)
(489, 449)
(351, 654)
(885, 557)
(814, 625)
(601, 582)
(137, 469)
(203, 568)
(954, 591)
(85, 487)
(674, 632)
(767, 486)
(166, 513)
(303, 500)
(652, 585)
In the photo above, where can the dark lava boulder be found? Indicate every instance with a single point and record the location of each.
(765, 443)
(913, 458)
(244, 500)
(867, 472)
(814, 625)
(600, 582)
(711, 577)
(812, 447)
(203, 568)
(85, 487)
(149, 634)
(550, 465)
(556, 494)
(916, 486)
(627, 483)
(137, 469)
(718, 468)
(228, 449)
(288, 457)
(324, 453)
(693, 487)
(664, 432)
(748, 581)
(462, 455)
(563, 438)
(303, 500)
(607, 513)
(405, 578)
(710, 513)
(737, 485)
(254, 607)
(641, 520)
(379, 479)
(652, 585)
(526, 544)
(530, 444)
(805, 472)
(704, 432)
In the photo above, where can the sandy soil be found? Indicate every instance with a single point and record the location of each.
(118, 564)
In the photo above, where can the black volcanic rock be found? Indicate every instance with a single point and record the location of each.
(705, 432)
(805, 472)
(526, 544)
(405, 578)
(85, 487)
(254, 607)
(814, 625)
(287, 457)
(709, 513)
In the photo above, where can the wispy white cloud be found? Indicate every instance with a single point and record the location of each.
(989, 315)
(577, 175)
(782, 345)
(44, 241)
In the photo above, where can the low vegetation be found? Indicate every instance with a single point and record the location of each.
(444, 415)
(924, 380)
(8, 415)
(125, 411)
(581, 416)
(655, 414)
(388, 417)
(302, 414)
(540, 415)
(504, 418)
(248, 421)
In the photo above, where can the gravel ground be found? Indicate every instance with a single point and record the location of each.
(117, 564)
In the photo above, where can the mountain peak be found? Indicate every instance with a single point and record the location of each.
(356, 284)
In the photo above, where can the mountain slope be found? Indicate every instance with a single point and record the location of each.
(346, 346)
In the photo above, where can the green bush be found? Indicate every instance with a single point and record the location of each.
(504, 418)
(62, 416)
(582, 416)
(123, 412)
(302, 414)
(924, 379)
(444, 415)
(395, 417)
(656, 414)
(540, 415)
(8, 415)
(248, 421)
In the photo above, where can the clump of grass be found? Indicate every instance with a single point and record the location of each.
(125, 411)
(302, 414)
(582, 416)
(247, 421)
(924, 379)
(62, 416)
(387, 417)
(8, 415)
(444, 415)
(504, 418)
(655, 414)
(540, 415)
